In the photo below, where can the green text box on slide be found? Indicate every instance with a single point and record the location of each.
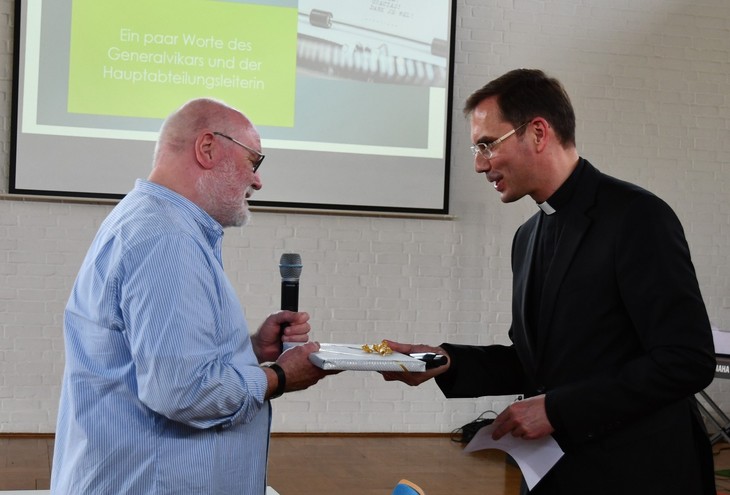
(145, 58)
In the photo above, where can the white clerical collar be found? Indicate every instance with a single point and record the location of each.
(546, 208)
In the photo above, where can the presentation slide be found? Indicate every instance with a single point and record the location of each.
(351, 97)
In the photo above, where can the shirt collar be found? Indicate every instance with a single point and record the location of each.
(546, 208)
(561, 197)
(212, 230)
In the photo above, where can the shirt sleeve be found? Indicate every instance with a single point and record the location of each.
(187, 334)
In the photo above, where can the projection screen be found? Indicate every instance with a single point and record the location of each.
(352, 98)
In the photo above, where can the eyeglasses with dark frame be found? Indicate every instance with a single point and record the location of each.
(485, 149)
(260, 157)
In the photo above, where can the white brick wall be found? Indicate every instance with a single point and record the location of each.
(650, 80)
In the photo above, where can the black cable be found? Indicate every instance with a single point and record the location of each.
(467, 432)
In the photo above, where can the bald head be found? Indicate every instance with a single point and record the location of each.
(181, 128)
(193, 160)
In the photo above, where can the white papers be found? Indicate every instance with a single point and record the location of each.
(722, 341)
(535, 457)
(352, 357)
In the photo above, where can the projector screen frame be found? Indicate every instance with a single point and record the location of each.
(275, 155)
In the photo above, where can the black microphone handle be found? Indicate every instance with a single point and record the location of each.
(289, 301)
(290, 295)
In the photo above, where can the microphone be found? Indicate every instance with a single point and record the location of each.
(290, 268)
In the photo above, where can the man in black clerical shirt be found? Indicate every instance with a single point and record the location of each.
(610, 335)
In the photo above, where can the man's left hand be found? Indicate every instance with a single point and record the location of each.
(525, 418)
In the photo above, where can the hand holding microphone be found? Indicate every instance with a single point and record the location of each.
(290, 324)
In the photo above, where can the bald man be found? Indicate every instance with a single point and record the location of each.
(163, 390)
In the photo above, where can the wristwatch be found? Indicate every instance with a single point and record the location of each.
(281, 377)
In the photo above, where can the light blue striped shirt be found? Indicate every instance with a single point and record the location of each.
(162, 392)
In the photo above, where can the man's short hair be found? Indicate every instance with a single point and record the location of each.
(523, 94)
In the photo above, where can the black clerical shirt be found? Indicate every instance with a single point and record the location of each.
(553, 215)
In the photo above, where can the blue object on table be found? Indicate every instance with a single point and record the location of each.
(405, 487)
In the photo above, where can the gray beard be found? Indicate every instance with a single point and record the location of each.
(228, 212)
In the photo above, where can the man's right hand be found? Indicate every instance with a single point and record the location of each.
(415, 378)
(299, 370)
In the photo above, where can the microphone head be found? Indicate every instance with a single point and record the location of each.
(290, 266)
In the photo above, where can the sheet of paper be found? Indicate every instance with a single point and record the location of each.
(535, 457)
(722, 340)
